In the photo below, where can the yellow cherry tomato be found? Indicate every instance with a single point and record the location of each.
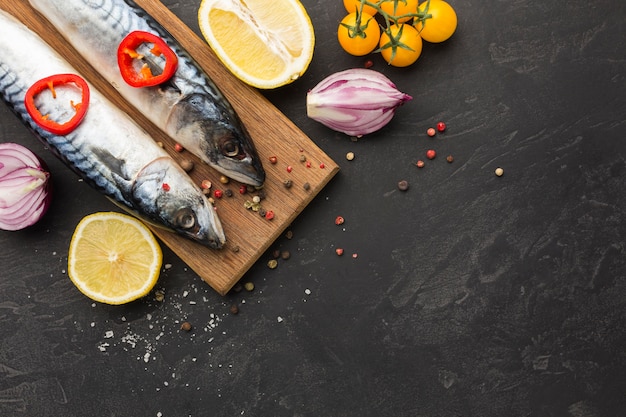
(396, 8)
(358, 38)
(355, 6)
(403, 47)
(440, 22)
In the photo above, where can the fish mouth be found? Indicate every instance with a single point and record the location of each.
(248, 171)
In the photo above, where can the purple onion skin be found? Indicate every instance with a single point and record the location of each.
(356, 101)
(25, 187)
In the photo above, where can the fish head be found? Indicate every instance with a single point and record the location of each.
(163, 190)
(218, 136)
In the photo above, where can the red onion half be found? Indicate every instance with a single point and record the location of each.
(25, 189)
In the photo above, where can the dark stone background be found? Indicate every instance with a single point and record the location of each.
(472, 295)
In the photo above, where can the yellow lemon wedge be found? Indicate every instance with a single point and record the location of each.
(266, 44)
(113, 258)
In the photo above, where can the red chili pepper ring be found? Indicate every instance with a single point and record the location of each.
(143, 77)
(49, 83)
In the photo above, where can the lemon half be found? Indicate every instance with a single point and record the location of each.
(113, 258)
(266, 44)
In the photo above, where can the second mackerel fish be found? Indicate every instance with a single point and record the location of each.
(189, 107)
(108, 150)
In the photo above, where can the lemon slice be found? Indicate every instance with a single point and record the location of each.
(113, 258)
(266, 44)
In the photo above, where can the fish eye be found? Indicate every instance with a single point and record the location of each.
(230, 148)
(185, 218)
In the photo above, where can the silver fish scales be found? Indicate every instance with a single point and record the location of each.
(189, 107)
(108, 149)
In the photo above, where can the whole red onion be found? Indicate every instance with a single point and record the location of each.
(25, 189)
(355, 101)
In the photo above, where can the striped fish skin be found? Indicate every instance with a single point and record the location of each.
(189, 107)
(108, 149)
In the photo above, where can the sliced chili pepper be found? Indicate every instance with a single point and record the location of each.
(143, 77)
(49, 83)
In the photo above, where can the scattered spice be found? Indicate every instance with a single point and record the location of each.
(261, 211)
(206, 184)
(289, 235)
(289, 168)
(441, 126)
(186, 326)
(287, 183)
(243, 189)
(159, 144)
(159, 295)
(339, 220)
(269, 215)
(228, 192)
(235, 249)
(499, 172)
(285, 255)
(166, 186)
(420, 164)
(431, 132)
(431, 154)
(234, 309)
(339, 251)
(403, 185)
(276, 253)
(218, 193)
(322, 166)
(224, 179)
(308, 164)
(368, 64)
(249, 286)
(450, 158)
(306, 186)
(302, 158)
(256, 199)
(350, 156)
(355, 255)
(238, 287)
(178, 147)
(186, 165)
(273, 160)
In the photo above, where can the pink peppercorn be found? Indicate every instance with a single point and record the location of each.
(218, 193)
(166, 186)
(339, 251)
(441, 126)
(431, 154)
(178, 147)
(420, 164)
(269, 215)
(431, 131)
(289, 168)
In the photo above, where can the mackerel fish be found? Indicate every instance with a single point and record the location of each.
(107, 149)
(189, 107)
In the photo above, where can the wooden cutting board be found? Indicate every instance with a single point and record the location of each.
(248, 234)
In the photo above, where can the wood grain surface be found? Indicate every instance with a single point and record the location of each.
(248, 234)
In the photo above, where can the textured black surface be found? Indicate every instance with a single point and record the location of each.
(471, 295)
